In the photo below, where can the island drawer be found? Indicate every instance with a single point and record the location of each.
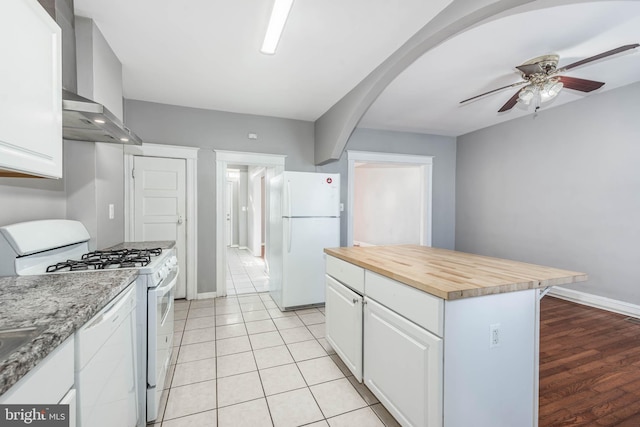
(415, 305)
(347, 273)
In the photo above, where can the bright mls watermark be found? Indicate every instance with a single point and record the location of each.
(34, 415)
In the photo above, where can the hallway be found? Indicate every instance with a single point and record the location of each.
(245, 272)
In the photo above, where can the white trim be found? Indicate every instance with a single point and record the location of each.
(206, 295)
(426, 164)
(596, 301)
(274, 162)
(190, 154)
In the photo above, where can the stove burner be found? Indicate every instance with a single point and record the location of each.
(100, 260)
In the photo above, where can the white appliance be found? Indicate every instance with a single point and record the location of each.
(304, 219)
(105, 365)
(61, 246)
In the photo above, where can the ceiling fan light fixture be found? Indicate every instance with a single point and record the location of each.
(550, 90)
(527, 94)
(279, 15)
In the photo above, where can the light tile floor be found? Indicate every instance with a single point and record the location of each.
(240, 361)
(245, 273)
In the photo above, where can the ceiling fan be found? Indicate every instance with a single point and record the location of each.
(542, 82)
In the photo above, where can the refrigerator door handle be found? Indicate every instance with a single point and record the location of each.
(289, 198)
(290, 232)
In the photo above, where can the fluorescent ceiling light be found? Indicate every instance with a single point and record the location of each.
(279, 14)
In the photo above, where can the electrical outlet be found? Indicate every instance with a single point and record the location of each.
(494, 335)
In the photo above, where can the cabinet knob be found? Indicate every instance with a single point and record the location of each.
(355, 300)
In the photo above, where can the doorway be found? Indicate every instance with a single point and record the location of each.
(187, 158)
(389, 199)
(244, 261)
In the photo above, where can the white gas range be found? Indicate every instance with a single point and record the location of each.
(61, 247)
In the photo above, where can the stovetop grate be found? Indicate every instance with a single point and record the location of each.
(100, 260)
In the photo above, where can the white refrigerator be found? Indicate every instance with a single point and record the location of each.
(304, 219)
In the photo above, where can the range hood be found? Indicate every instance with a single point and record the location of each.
(82, 118)
(86, 120)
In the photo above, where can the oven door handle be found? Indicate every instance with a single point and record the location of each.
(166, 287)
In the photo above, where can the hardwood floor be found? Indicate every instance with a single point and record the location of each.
(589, 366)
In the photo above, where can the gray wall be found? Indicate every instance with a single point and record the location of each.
(216, 130)
(443, 149)
(561, 189)
(28, 199)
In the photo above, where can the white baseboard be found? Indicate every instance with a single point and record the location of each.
(596, 301)
(205, 295)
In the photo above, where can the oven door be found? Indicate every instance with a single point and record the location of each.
(159, 339)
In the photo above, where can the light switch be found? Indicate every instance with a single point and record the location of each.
(112, 212)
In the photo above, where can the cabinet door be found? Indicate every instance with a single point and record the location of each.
(403, 366)
(343, 311)
(30, 90)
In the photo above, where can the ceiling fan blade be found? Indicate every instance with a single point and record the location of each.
(529, 69)
(600, 56)
(511, 102)
(495, 90)
(582, 85)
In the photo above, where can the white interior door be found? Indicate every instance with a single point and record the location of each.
(159, 211)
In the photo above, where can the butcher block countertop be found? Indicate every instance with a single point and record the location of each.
(453, 275)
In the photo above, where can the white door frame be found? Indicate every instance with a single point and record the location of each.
(190, 155)
(426, 164)
(224, 158)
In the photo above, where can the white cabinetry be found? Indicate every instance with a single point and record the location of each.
(425, 358)
(30, 91)
(50, 381)
(343, 310)
(403, 366)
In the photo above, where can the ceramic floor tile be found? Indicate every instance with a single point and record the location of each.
(294, 408)
(340, 364)
(202, 419)
(322, 423)
(318, 330)
(201, 303)
(239, 388)
(308, 319)
(201, 312)
(267, 339)
(180, 314)
(260, 326)
(177, 338)
(198, 335)
(365, 393)
(296, 335)
(272, 356)
(182, 304)
(233, 345)
(252, 316)
(319, 370)
(271, 304)
(192, 372)
(361, 417)
(229, 319)
(327, 347)
(288, 322)
(191, 352)
(281, 378)
(306, 350)
(306, 311)
(169, 377)
(254, 413)
(191, 399)
(252, 306)
(227, 309)
(265, 297)
(199, 323)
(236, 364)
(178, 325)
(337, 397)
(249, 299)
(275, 312)
(226, 301)
(230, 331)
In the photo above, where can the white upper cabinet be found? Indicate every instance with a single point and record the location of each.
(30, 91)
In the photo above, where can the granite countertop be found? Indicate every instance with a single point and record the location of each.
(451, 274)
(59, 304)
(162, 244)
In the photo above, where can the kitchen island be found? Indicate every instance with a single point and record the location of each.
(440, 337)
